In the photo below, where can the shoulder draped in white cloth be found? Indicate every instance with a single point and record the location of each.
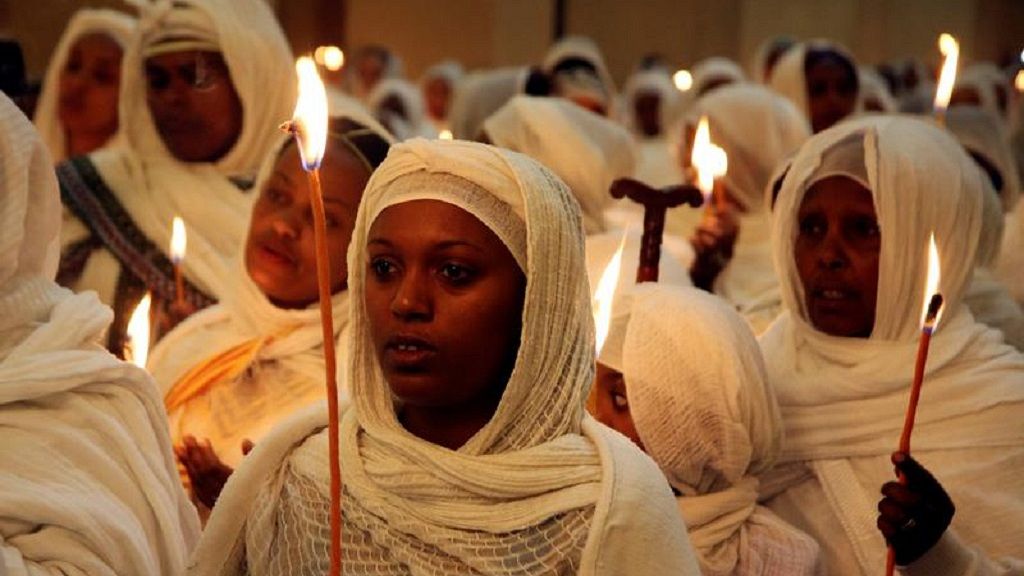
(88, 484)
(539, 489)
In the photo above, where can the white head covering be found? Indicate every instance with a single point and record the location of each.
(789, 77)
(982, 132)
(986, 78)
(582, 48)
(117, 25)
(759, 62)
(89, 482)
(415, 122)
(649, 82)
(448, 70)
(585, 150)
(479, 95)
(873, 87)
(712, 69)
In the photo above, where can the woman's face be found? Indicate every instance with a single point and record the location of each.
(609, 404)
(836, 253)
(280, 252)
(437, 94)
(444, 298)
(194, 104)
(89, 85)
(647, 111)
(831, 92)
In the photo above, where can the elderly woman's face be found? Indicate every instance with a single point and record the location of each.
(444, 299)
(194, 104)
(89, 85)
(831, 92)
(836, 253)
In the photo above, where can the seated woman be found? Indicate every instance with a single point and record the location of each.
(681, 375)
(232, 371)
(821, 79)
(850, 239)
(87, 475)
(205, 86)
(466, 449)
(77, 111)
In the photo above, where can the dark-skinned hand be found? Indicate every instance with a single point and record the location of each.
(913, 516)
(206, 472)
(713, 242)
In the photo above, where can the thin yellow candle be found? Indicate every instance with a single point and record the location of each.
(309, 125)
(947, 78)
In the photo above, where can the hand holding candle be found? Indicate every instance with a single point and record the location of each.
(947, 78)
(711, 163)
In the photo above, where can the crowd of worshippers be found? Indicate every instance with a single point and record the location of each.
(739, 415)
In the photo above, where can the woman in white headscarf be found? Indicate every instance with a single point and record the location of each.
(577, 71)
(715, 72)
(438, 85)
(77, 110)
(649, 102)
(524, 483)
(205, 85)
(682, 376)
(821, 79)
(983, 85)
(88, 480)
(850, 240)
(874, 96)
(398, 105)
(232, 371)
(481, 94)
(981, 133)
(767, 56)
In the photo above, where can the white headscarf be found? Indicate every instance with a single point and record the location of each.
(415, 124)
(88, 480)
(116, 25)
(982, 132)
(649, 82)
(985, 78)
(759, 62)
(479, 95)
(585, 150)
(714, 69)
(583, 48)
(873, 87)
(789, 77)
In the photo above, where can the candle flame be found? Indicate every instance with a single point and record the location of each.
(179, 240)
(683, 80)
(330, 57)
(309, 123)
(1018, 81)
(710, 161)
(445, 135)
(932, 282)
(605, 294)
(947, 78)
(137, 346)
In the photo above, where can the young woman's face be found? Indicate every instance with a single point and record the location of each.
(836, 253)
(89, 85)
(280, 252)
(194, 104)
(609, 404)
(831, 92)
(444, 298)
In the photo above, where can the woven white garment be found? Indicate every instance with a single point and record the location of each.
(116, 25)
(873, 87)
(983, 132)
(585, 150)
(479, 95)
(790, 80)
(152, 185)
(583, 48)
(88, 484)
(714, 69)
(983, 78)
(415, 124)
(649, 82)
(843, 399)
(530, 493)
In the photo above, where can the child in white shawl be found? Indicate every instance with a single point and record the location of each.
(516, 479)
(86, 473)
(204, 86)
(77, 110)
(850, 240)
(232, 371)
(682, 376)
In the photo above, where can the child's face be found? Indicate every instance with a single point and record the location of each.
(610, 405)
(280, 252)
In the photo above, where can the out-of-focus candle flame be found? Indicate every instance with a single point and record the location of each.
(1018, 81)
(445, 135)
(179, 240)
(309, 123)
(331, 57)
(710, 161)
(947, 78)
(605, 294)
(683, 80)
(137, 346)
(931, 286)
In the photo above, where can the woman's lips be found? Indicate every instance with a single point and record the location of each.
(408, 353)
(277, 257)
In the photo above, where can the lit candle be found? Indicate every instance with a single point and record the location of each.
(1018, 81)
(710, 161)
(309, 125)
(931, 313)
(179, 240)
(136, 346)
(605, 294)
(947, 78)
(683, 80)
(445, 135)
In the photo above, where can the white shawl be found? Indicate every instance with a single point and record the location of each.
(789, 77)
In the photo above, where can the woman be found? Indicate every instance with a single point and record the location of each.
(204, 87)
(88, 478)
(850, 241)
(77, 111)
(232, 371)
(696, 401)
(398, 105)
(466, 449)
(438, 87)
(577, 72)
(821, 79)
(649, 103)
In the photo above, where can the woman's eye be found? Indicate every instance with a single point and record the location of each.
(381, 267)
(812, 226)
(867, 227)
(275, 196)
(620, 401)
(157, 79)
(456, 274)
(332, 222)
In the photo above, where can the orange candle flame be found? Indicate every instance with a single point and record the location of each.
(605, 294)
(136, 348)
(683, 80)
(179, 240)
(309, 122)
(947, 78)
(710, 160)
(930, 318)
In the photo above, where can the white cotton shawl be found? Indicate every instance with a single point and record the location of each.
(152, 185)
(479, 95)
(712, 69)
(697, 392)
(983, 77)
(415, 124)
(519, 492)
(586, 151)
(789, 77)
(649, 82)
(118, 26)
(873, 87)
(88, 483)
(843, 399)
(583, 48)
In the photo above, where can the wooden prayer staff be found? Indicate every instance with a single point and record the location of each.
(309, 126)
(947, 78)
(655, 202)
(929, 322)
(178, 244)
